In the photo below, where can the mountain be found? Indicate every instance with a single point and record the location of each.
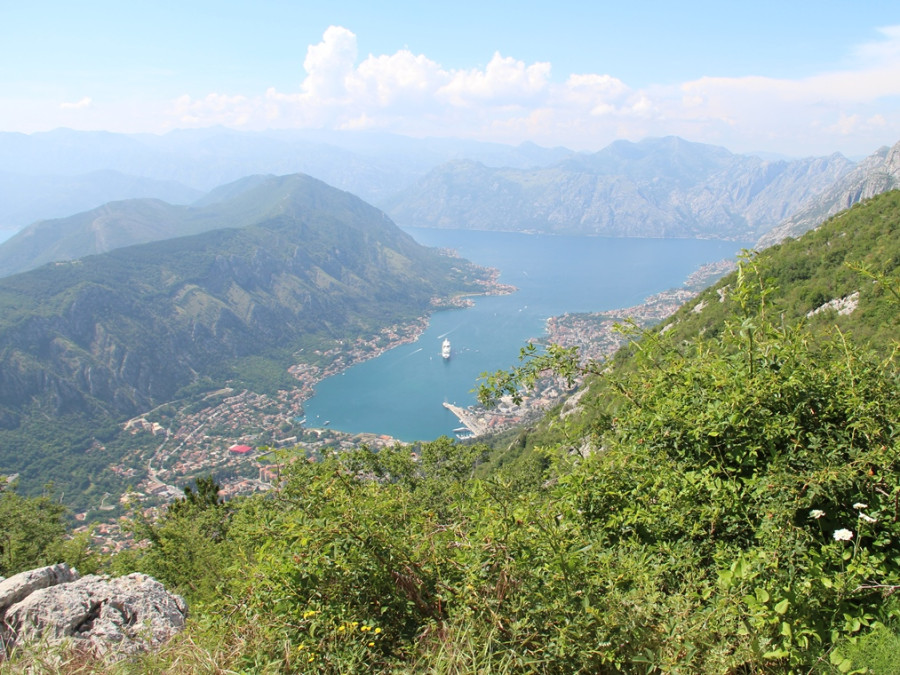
(665, 187)
(25, 199)
(137, 221)
(371, 165)
(102, 229)
(85, 344)
(877, 173)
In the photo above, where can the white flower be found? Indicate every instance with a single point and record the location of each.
(868, 519)
(843, 535)
(860, 505)
(816, 514)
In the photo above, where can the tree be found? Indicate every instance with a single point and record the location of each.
(188, 543)
(31, 531)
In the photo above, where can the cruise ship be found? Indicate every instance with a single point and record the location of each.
(445, 349)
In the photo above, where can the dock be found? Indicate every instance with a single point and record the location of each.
(468, 420)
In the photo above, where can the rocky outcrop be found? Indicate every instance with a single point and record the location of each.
(110, 617)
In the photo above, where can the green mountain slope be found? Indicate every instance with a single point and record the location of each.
(87, 343)
(806, 274)
(852, 257)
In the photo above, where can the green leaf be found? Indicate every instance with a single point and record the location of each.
(782, 606)
(775, 654)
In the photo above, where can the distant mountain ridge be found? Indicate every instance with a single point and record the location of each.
(662, 187)
(26, 198)
(665, 187)
(878, 173)
(370, 165)
(118, 224)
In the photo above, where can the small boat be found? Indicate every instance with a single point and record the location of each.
(445, 349)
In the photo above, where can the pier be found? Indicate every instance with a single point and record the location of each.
(468, 420)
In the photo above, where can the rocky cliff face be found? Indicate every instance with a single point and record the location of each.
(110, 617)
(877, 173)
(657, 188)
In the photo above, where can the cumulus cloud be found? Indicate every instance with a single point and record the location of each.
(77, 105)
(504, 80)
(510, 100)
(329, 64)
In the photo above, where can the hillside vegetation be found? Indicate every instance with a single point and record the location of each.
(723, 499)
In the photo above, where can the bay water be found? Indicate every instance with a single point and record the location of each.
(401, 393)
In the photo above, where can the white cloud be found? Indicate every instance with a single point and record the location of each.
(399, 78)
(509, 100)
(504, 81)
(77, 105)
(329, 64)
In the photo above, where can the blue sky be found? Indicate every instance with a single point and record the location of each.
(790, 77)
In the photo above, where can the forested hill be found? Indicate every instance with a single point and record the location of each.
(89, 342)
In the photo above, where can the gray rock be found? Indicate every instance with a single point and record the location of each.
(116, 617)
(20, 586)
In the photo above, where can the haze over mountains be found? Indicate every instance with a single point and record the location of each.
(372, 166)
(664, 187)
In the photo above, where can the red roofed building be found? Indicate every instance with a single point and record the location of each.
(240, 449)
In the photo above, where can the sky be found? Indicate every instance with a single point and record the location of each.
(793, 77)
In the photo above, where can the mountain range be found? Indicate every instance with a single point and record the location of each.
(54, 174)
(664, 187)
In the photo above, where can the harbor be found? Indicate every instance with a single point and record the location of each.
(469, 420)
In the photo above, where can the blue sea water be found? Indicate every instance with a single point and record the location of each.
(401, 392)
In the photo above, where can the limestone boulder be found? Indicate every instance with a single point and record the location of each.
(20, 586)
(118, 616)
